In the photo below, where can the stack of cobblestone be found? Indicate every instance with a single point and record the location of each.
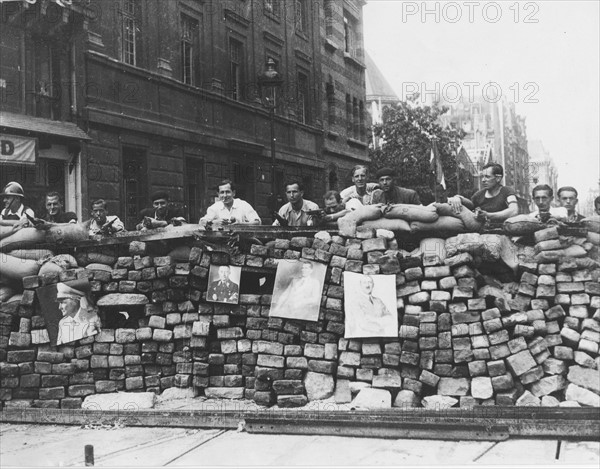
(463, 336)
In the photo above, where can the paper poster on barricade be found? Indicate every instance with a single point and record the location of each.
(370, 306)
(298, 289)
(68, 311)
(224, 284)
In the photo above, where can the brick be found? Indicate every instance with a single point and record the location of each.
(520, 362)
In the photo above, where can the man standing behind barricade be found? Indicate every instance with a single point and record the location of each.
(494, 202)
(14, 212)
(161, 214)
(389, 193)
(228, 210)
(567, 196)
(542, 197)
(296, 211)
(54, 210)
(101, 223)
(335, 208)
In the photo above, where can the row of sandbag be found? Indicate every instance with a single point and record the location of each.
(409, 219)
(526, 224)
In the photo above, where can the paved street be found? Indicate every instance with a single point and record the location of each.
(39, 446)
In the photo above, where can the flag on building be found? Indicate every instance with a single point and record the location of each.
(436, 165)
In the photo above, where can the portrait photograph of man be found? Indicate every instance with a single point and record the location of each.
(68, 311)
(224, 284)
(370, 305)
(297, 291)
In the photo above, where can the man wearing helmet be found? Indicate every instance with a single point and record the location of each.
(14, 212)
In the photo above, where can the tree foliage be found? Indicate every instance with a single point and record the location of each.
(407, 133)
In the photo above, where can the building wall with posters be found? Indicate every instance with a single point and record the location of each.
(167, 94)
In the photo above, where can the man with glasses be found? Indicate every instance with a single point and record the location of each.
(495, 202)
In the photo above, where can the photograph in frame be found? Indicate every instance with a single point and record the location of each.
(224, 284)
(370, 306)
(298, 290)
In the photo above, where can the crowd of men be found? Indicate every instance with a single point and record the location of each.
(494, 202)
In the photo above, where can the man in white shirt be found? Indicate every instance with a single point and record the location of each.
(542, 197)
(295, 211)
(228, 210)
(101, 223)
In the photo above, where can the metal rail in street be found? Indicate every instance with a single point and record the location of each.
(480, 423)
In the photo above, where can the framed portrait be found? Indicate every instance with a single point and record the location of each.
(298, 290)
(370, 305)
(68, 312)
(224, 284)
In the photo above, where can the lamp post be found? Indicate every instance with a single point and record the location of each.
(268, 82)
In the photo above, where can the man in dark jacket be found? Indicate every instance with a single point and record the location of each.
(161, 213)
(389, 193)
(54, 210)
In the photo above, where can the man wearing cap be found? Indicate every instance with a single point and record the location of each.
(101, 223)
(14, 213)
(79, 319)
(161, 213)
(389, 193)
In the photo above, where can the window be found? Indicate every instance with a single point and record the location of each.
(348, 36)
(129, 31)
(236, 59)
(189, 49)
(47, 79)
(194, 184)
(272, 7)
(328, 7)
(134, 184)
(361, 117)
(330, 92)
(303, 98)
(301, 16)
(349, 124)
(355, 120)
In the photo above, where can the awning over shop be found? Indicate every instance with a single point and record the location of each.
(9, 120)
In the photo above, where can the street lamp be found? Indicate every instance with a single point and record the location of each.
(268, 82)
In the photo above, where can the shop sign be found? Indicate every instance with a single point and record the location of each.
(17, 149)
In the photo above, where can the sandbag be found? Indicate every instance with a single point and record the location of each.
(180, 254)
(388, 224)
(66, 261)
(593, 238)
(6, 292)
(70, 233)
(522, 225)
(50, 268)
(410, 212)
(103, 267)
(592, 223)
(347, 224)
(23, 238)
(13, 268)
(443, 224)
(558, 254)
(16, 298)
(468, 218)
(32, 254)
(86, 258)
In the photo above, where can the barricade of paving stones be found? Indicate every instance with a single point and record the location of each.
(472, 339)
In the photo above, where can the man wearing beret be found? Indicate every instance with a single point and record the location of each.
(79, 318)
(389, 193)
(161, 213)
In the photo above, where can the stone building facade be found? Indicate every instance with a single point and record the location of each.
(164, 95)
